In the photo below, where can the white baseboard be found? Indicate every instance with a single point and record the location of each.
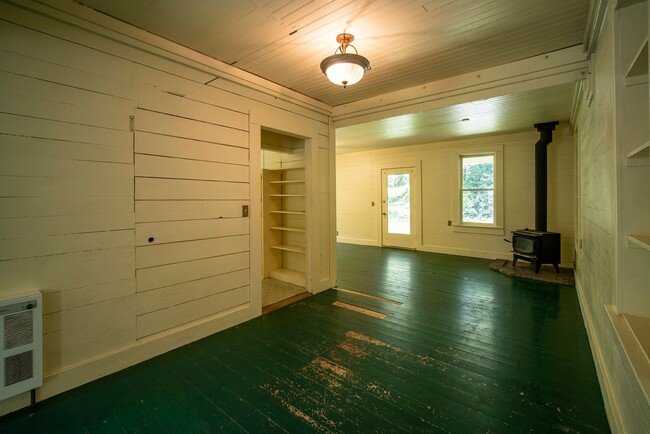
(461, 252)
(613, 414)
(359, 241)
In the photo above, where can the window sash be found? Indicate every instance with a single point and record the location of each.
(464, 189)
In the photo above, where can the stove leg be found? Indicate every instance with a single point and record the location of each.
(538, 265)
(514, 261)
(557, 268)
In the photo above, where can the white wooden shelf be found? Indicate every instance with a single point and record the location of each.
(288, 228)
(639, 156)
(288, 248)
(286, 195)
(287, 169)
(639, 65)
(296, 181)
(642, 241)
(290, 276)
(634, 335)
(282, 211)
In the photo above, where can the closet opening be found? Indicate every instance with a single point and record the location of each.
(284, 261)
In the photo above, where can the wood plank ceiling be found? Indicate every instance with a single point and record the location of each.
(407, 42)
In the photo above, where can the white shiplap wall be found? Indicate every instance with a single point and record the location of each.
(99, 154)
(66, 196)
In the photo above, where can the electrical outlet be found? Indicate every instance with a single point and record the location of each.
(448, 222)
(244, 211)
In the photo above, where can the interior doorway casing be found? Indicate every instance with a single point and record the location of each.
(320, 235)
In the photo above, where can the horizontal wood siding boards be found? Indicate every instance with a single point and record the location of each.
(153, 211)
(68, 271)
(59, 301)
(263, 101)
(20, 186)
(19, 248)
(180, 127)
(25, 165)
(38, 98)
(53, 149)
(173, 274)
(27, 207)
(144, 54)
(175, 168)
(65, 56)
(66, 196)
(26, 227)
(19, 125)
(156, 144)
(151, 256)
(192, 169)
(195, 110)
(22, 63)
(173, 316)
(173, 231)
(174, 189)
(80, 333)
(163, 298)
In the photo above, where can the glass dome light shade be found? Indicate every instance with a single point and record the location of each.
(344, 68)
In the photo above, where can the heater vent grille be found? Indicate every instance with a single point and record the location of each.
(19, 329)
(19, 367)
(21, 343)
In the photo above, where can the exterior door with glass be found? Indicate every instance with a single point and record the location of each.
(399, 205)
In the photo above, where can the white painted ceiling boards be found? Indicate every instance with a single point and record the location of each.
(409, 44)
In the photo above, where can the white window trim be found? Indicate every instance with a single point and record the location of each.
(496, 228)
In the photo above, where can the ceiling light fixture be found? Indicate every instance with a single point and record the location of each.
(345, 68)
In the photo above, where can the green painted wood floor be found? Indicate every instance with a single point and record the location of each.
(468, 351)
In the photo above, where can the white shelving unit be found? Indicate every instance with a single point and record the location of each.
(284, 205)
(631, 315)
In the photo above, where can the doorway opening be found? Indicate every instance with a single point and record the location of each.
(284, 262)
(399, 207)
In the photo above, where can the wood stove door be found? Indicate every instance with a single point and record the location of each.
(399, 207)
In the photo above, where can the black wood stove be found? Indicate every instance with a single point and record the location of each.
(536, 247)
(539, 246)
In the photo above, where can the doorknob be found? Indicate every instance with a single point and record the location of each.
(383, 213)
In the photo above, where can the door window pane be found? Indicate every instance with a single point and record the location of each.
(399, 204)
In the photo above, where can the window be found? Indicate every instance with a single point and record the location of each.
(477, 189)
(477, 183)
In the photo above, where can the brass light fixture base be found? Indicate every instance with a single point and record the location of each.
(344, 39)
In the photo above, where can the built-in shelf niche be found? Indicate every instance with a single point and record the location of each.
(284, 190)
(630, 315)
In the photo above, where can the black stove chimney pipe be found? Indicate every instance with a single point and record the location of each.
(545, 137)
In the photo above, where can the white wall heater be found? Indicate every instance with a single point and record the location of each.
(21, 343)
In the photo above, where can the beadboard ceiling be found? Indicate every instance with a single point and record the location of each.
(408, 43)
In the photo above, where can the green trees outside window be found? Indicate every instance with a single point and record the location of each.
(477, 189)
